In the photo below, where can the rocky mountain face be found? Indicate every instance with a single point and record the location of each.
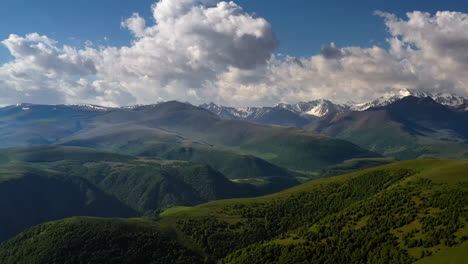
(302, 113)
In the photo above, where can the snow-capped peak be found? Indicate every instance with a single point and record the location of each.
(414, 92)
(90, 107)
(448, 99)
(390, 98)
(322, 107)
(233, 112)
(319, 107)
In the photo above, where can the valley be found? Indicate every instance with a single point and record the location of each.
(181, 182)
(398, 213)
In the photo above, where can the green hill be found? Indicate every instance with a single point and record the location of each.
(289, 147)
(455, 255)
(167, 128)
(174, 122)
(153, 185)
(161, 144)
(397, 213)
(92, 240)
(44, 183)
(48, 154)
(352, 165)
(30, 196)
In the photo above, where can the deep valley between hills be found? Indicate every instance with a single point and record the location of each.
(176, 183)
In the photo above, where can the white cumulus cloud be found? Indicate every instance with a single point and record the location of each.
(208, 50)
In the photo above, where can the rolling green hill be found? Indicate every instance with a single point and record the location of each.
(397, 213)
(166, 124)
(289, 147)
(161, 144)
(148, 185)
(173, 122)
(352, 165)
(118, 241)
(44, 183)
(30, 195)
(177, 131)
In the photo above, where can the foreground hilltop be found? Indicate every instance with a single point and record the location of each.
(399, 213)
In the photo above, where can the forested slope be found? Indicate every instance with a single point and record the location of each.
(397, 213)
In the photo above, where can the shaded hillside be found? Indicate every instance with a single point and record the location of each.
(430, 114)
(106, 241)
(27, 124)
(408, 128)
(396, 213)
(282, 117)
(288, 147)
(157, 143)
(278, 115)
(29, 196)
(143, 184)
(151, 185)
(167, 129)
(40, 184)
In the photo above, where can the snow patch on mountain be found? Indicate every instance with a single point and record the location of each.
(236, 113)
(319, 108)
(447, 99)
(91, 107)
(315, 108)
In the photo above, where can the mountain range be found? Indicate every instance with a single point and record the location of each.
(317, 108)
(170, 129)
(408, 124)
(59, 161)
(165, 170)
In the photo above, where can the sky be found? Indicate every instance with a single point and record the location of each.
(116, 52)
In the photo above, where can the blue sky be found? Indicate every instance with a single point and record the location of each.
(227, 52)
(302, 26)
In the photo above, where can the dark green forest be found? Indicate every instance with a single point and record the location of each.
(399, 213)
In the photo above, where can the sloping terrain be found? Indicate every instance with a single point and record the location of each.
(92, 240)
(406, 129)
(157, 143)
(397, 213)
(27, 124)
(166, 130)
(278, 115)
(40, 184)
(288, 147)
(30, 196)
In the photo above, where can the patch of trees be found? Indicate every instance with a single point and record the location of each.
(265, 221)
(89, 241)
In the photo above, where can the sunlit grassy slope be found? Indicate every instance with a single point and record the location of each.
(455, 255)
(444, 171)
(399, 213)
